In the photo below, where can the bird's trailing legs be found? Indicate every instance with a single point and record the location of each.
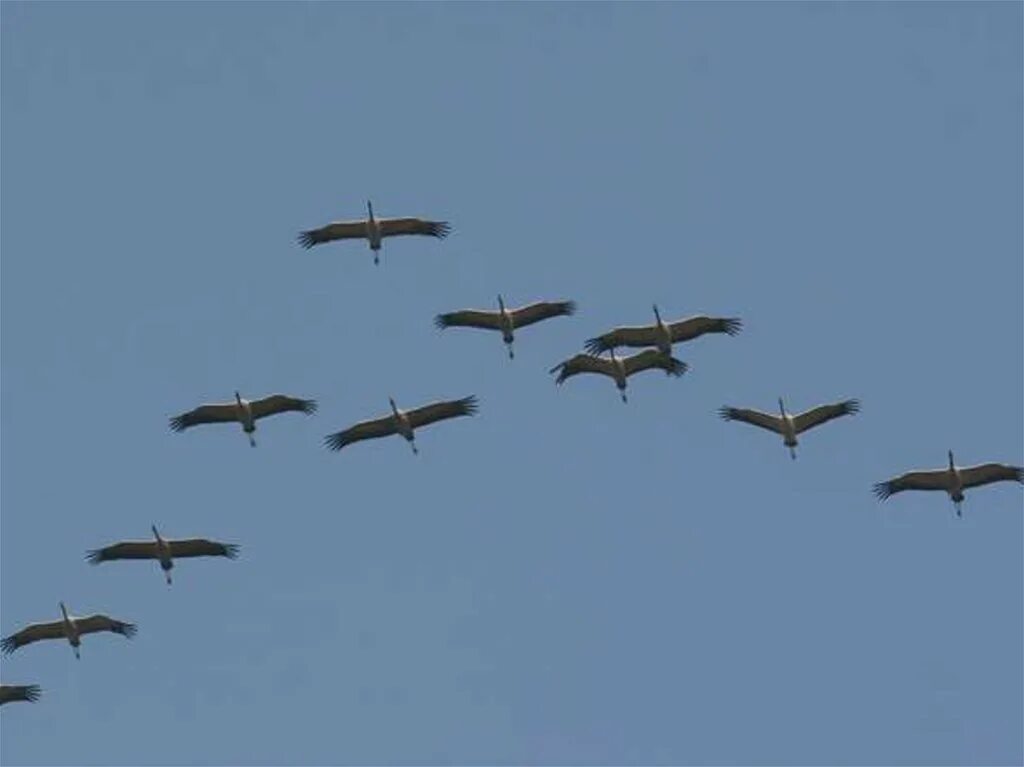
(252, 439)
(792, 453)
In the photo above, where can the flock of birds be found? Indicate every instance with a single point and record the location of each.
(656, 341)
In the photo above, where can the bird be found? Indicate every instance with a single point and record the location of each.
(163, 550)
(402, 422)
(789, 425)
(619, 368)
(953, 480)
(244, 412)
(662, 335)
(506, 320)
(10, 693)
(69, 628)
(373, 230)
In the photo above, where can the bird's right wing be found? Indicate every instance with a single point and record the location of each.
(753, 417)
(819, 415)
(97, 623)
(986, 473)
(337, 230)
(201, 547)
(692, 327)
(391, 227)
(469, 318)
(124, 550)
(646, 335)
(912, 480)
(582, 363)
(380, 427)
(14, 692)
(652, 359)
(34, 632)
(205, 414)
(281, 403)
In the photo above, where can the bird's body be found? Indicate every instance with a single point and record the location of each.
(952, 479)
(243, 412)
(373, 230)
(505, 320)
(163, 550)
(10, 693)
(402, 422)
(788, 425)
(662, 335)
(619, 369)
(70, 628)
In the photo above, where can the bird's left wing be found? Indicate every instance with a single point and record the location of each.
(753, 417)
(818, 415)
(542, 310)
(439, 411)
(912, 480)
(204, 414)
(280, 403)
(97, 623)
(124, 550)
(391, 227)
(337, 230)
(34, 632)
(692, 327)
(201, 547)
(469, 318)
(379, 427)
(652, 359)
(986, 473)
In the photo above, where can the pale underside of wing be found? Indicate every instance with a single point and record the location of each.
(337, 230)
(281, 403)
(694, 327)
(986, 473)
(34, 632)
(94, 624)
(819, 415)
(124, 550)
(542, 310)
(201, 547)
(652, 359)
(753, 417)
(394, 227)
(582, 363)
(469, 318)
(221, 413)
(379, 427)
(913, 480)
(439, 411)
(645, 335)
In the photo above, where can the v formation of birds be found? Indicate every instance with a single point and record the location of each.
(656, 340)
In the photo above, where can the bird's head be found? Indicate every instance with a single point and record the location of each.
(238, 397)
(394, 407)
(63, 609)
(782, 406)
(156, 533)
(369, 209)
(501, 302)
(951, 459)
(657, 314)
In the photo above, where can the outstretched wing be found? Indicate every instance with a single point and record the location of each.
(912, 480)
(652, 359)
(692, 327)
(439, 411)
(204, 414)
(201, 547)
(582, 363)
(97, 623)
(124, 550)
(337, 230)
(380, 427)
(645, 335)
(280, 403)
(818, 415)
(469, 318)
(987, 473)
(34, 632)
(542, 310)
(10, 693)
(753, 417)
(392, 227)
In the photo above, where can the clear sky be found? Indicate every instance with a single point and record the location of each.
(564, 578)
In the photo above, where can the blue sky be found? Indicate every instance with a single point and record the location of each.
(562, 579)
